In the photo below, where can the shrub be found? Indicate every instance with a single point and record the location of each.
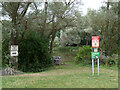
(111, 60)
(34, 54)
(84, 55)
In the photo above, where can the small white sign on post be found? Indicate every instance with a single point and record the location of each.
(14, 53)
(95, 49)
(14, 47)
(14, 50)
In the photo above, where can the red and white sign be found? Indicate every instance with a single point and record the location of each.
(95, 41)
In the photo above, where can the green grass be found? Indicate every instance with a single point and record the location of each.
(64, 76)
(68, 75)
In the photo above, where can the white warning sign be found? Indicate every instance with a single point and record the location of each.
(95, 41)
(14, 47)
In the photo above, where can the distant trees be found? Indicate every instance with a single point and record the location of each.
(105, 24)
(60, 13)
(79, 34)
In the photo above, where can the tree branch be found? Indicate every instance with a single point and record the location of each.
(25, 9)
(26, 37)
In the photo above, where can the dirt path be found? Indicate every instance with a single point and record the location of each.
(59, 70)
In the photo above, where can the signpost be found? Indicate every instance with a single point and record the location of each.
(14, 50)
(95, 53)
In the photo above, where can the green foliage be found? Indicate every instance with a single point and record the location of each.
(34, 54)
(5, 52)
(84, 55)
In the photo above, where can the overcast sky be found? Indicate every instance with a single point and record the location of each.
(94, 4)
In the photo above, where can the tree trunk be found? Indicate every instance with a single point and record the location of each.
(86, 43)
(45, 19)
(14, 60)
(13, 41)
(106, 41)
(119, 35)
(51, 44)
